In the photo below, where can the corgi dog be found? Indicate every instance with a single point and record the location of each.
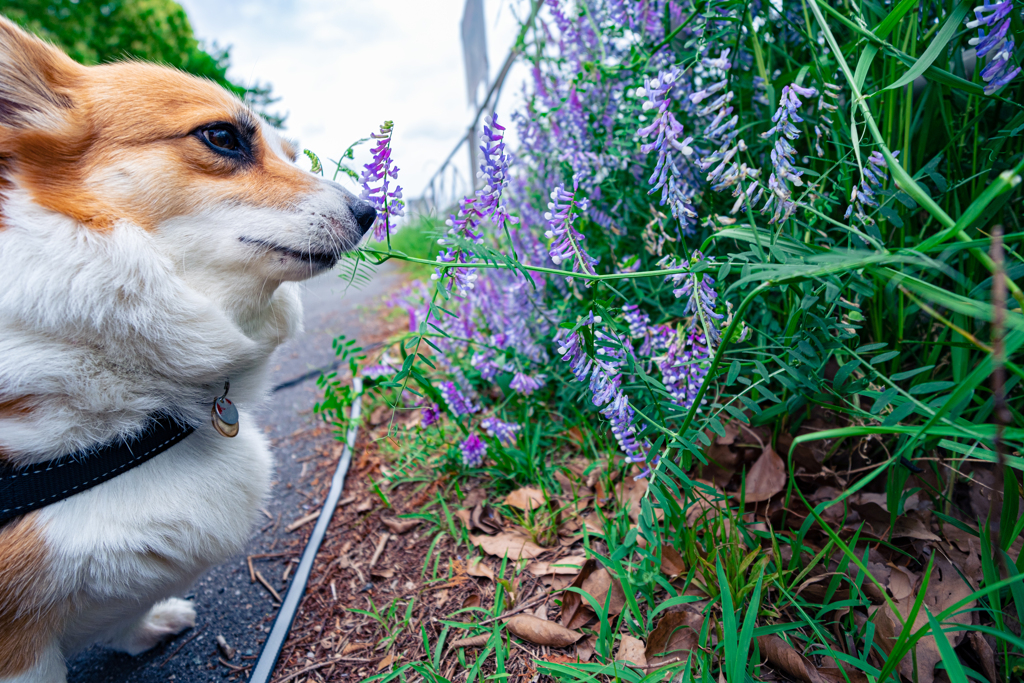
(152, 233)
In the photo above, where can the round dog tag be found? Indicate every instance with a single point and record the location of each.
(225, 416)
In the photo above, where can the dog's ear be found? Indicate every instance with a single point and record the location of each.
(34, 80)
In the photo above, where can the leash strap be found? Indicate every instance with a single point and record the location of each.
(23, 489)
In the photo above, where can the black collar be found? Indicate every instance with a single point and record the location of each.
(23, 489)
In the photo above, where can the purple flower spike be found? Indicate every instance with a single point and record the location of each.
(701, 298)
(567, 242)
(388, 202)
(780, 198)
(669, 175)
(504, 432)
(685, 366)
(994, 45)
(526, 384)
(456, 401)
(494, 173)
(473, 451)
(431, 414)
(862, 199)
(637, 320)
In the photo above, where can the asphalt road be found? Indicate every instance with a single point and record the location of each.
(227, 603)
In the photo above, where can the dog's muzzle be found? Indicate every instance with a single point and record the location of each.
(364, 213)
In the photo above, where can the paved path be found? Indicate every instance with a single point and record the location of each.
(227, 602)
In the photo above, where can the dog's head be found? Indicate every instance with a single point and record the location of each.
(175, 155)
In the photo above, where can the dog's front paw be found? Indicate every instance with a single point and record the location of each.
(164, 619)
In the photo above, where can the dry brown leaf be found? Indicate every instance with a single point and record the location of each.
(787, 660)
(902, 582)
(542, 611)
(631, 650)
(472, 600)
(515, 546)
(566, 565)
(986, 655)
(383, 573)
(400, 526)
(835, 675)
(585, 648)
(594, 524)
(364, 505)
(525, 499)
(945, 589)
(673, 638)
(575, 610)
(606, 590)
(671, 561)
(464, 515)
(541, 631)
(355, 647)
(388, 661)
(476, 567)
(475, 641)
(766, 477)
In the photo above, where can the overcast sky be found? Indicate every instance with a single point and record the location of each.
(341, 67)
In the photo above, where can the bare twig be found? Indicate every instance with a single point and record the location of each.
(380, 549)
(266, 584)
(183, 644)
(302, 521)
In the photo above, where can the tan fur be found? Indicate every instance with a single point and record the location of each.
(117, 121)
(28, 619)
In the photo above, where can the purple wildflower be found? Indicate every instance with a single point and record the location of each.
(637, 319)
(504, 432)
(825, 109)
(431, 414)
(566, 241)
(701, 298)
(668, 171)
(862, 199)
(388, 203)
(494, 171)
(1000, 70)
(525, 384)
(685, 366)
(461, 280)
(456, 401)
(473, 451)
(780, 200)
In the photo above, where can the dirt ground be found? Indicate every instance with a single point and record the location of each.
(228, 603)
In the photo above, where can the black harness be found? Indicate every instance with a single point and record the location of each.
(23, 489)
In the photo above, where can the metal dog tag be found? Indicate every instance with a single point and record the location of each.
(225, 415)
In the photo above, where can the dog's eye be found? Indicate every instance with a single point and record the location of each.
(222, 138)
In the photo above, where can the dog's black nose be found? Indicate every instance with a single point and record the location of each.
(364, 213)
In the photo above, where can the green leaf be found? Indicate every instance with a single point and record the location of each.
(882, 357)
(938, 44)
(931, 387)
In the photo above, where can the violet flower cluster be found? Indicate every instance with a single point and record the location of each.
(388, 202)
(473, 451)
(504, 432)
(863, 198)
(784, 174)
(669, 175)
(605, 383)
(995, 16)
(566, 240)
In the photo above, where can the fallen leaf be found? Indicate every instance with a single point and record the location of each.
(355, 647)
(575, 611)
(945, 589)
(542, 611)
(540, 631)
(836, 675)
(631, 650)
(606, 590)
(593, 524)
(585, 648)
(766, 477)
(671, 561)
(787, 660)
(364, 505)
(464, 515)
(388, 661)
(383, 573)
(673, 638)
(986, 655)
(441, 597)
(515, 546)
(902, 583)
(475, 641)
(473, 600)
(400, 526)
(566, 565)
(525, 499)
(476, 567)
(486, 519)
